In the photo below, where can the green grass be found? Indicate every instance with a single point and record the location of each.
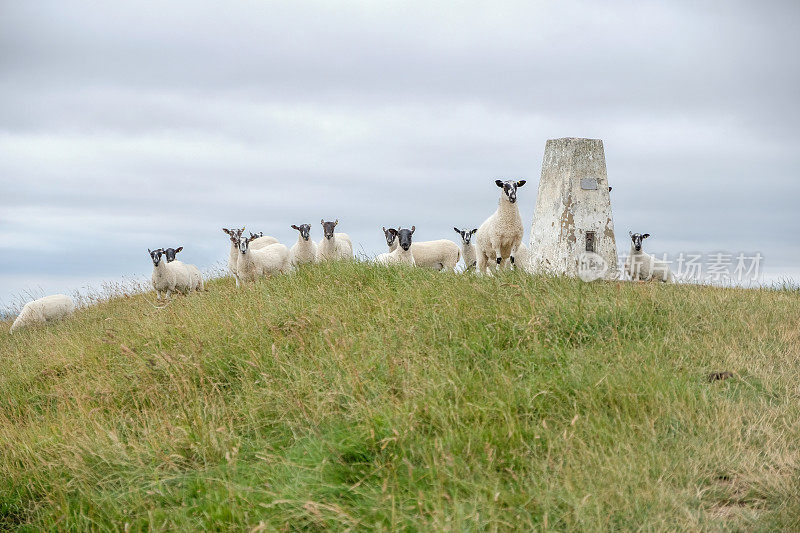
(356, 396)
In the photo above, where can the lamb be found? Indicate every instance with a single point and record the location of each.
(47, 309)
(271, 259)
(643, 266)
(195, 278)
(402, 254)
(304, 250)
(334, 246)
(467, 248)
(500, 235)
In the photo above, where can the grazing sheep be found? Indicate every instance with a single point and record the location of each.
(43, 310)
(195, 278)
(643, 266)
(334, 245)
(500, 235)
(402, 254)
(305, 249)
(271, 259)
(467, 248)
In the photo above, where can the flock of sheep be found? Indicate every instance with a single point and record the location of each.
(498, 245)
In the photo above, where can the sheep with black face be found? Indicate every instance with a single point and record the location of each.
(194, 282)
(402, 254)
(266, 261)
(500, 235)
(468, 252)
(641, 266)
(334, 246)
(305, 249)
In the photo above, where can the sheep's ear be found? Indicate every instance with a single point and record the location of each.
(609, 189)
(499, 183)
(413, 229)
(475, 230)
(149, 251)
(520, 183)
(322, 221)
(294, 226)
(646, 235)
(336, 222)
(457, 230)
(178, 249)
(630, 233)
(226, 230)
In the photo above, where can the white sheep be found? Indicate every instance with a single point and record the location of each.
(44, 310)
(442, 254)
(643, 266)
(468, 252)
(260, 240)
(334, 245)
(500, 235)
(305, 249)
(168, 278)
(194, 282)
(271, 259)
(402, 254)
(233, 256)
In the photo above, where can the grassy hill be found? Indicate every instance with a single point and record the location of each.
(356, 396)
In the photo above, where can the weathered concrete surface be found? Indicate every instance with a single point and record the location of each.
(573, 199)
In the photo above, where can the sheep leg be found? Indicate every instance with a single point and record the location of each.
(169, 294)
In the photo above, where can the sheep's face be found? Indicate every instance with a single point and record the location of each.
(466, 235)
(304, 229)
(391, 236)
(243, 244)
(170, 253)
(256, 235)
(404, 237)
(328, 227)
(636, 239)
(155, 255)
(510, 188)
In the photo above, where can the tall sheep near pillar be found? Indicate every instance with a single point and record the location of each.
(573, 221)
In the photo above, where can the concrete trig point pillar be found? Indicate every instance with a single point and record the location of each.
(573, 210)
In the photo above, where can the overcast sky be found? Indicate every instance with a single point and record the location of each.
(128, 125)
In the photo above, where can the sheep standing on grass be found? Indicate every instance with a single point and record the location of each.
(334, 246)
(643, 266)
(467, 248)
(165, 278)
(402, 254)
(44, 310)
(233, 256)
(269, 260)
(442, 254)
(195, 278)
(305, 249)
(500, 236)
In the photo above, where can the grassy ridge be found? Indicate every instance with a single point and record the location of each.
(356, 396)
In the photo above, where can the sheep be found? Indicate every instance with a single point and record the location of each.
(402, 254)
(195, 278)
(442, 254)
(271, 259)
(467, 248)
(164, 277)
(500, 235)
(47, 309)
(643, 266)
(233, 256)
(260, 240)
(305, 249)
(334, 245)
